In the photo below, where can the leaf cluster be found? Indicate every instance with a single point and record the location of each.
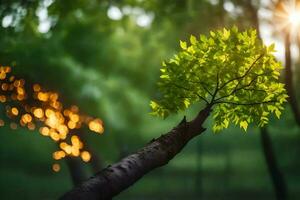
(230, 70)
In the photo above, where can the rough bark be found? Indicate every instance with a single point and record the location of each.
(276, 175)
(116, 178)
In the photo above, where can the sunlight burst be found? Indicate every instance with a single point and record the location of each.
(288, 16)
(294, 18)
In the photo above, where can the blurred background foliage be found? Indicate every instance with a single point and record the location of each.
(104, 56)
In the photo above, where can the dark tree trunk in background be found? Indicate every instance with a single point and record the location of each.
(289, 79)
(116, 178)
(277, 178)
(198, 181)
(76, 170)
(276, 175)
(96, 161)
(75, 166)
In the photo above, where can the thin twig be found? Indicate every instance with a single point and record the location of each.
(245, 104)
(243, 76)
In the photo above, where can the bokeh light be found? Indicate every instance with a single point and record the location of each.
(37, 107)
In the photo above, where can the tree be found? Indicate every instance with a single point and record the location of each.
(231, 72)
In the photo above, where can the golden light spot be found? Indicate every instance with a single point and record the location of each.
(15, 111)
(1, 122)
(26, 118)
(22, 82)
(68, 149)
(7, 69)
(53, 96)
(4, 86)
(12, 78)
(38, 113)
(42, 96)
(63, 129)
(63, 136)
(56, 167)
(2, 75)
(31, 126)
(20, 90)
(52, 121)
(96, 126)
(36, 87)
(49, 112)
(66, 112)
(75, 151)
(54, 135)
(57, 155)
(63, 145)
(85, 156)
(2, 98)
(80, 145)
(20, 97)
(17, 83)
(74, 117)
(74, 109)
(44, 131)
(71, 125)
(62, 154)
(13, 126)
(22, 123)
(75, 140)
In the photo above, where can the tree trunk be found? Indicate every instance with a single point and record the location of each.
(199, 175)
(96, 161)
(276, 175)
(77, 173)
(273, 168)
(289, 78)
(116, 178)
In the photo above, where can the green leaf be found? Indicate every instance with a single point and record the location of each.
(226, 34)
(226, 123)
(277, 113)
(244, 125)
(183, 45)
(271, 48)
(193, 40)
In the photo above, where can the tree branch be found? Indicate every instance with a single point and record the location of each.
(114, 179)
(202, 85)
(245, 104)
(182, 87)
(244, 75)
(242, 88)
(216, 90)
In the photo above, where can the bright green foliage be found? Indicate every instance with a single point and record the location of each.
(230, 70)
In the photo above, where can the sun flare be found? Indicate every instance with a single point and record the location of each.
(294, 18)
(288, 16)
